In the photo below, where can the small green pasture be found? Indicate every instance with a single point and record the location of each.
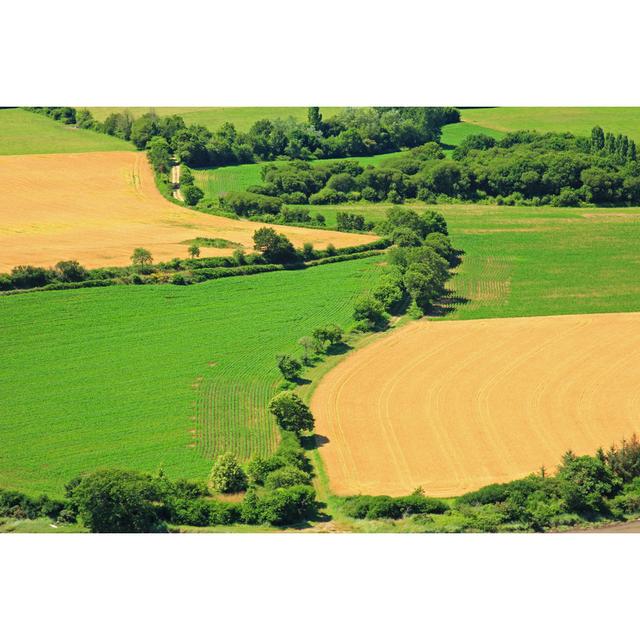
(577, 120)
(24, 132)
(155, 377)
(454, 134)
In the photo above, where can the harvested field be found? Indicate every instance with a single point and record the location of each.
(97, 207)
(452, 406)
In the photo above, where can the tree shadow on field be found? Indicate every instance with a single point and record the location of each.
(445, 305)
(312, 442)
(338, 349)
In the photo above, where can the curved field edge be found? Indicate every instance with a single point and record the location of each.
(98, 207)
(466, 404)
(111, 377)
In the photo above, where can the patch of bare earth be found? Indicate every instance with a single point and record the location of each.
(452, 406)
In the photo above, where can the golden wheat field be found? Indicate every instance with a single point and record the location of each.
(97, 207)
(452, 406)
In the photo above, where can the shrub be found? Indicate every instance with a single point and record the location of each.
(327, 196)
(307, 251)
(385, 507)
(295, 214)
(27, 276)
(288, 476)
(260, 467)
(192, 194)
(71, 271)
(224, 513)
(370, 314)
(291, 412)
(195, 513)
(625, 460)
(286, 506)
(227, 476)
(585, 482)
(491, 494)
(350, 221)
(186, 176)
(389, 292)
(342, 182)
(246, 204)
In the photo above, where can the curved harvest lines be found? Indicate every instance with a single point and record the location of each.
(452, 406)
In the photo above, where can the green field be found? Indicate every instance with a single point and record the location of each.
(144, 377)
(24, 132)
(578, 120)
(454, 134)
(527, 261)
(214, 117)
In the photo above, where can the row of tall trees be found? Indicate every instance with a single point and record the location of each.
(351, 132)
(525, 167)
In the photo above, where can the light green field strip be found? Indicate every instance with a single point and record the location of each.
(577, 120)
(23, 132)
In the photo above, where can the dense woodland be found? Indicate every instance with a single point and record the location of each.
(523, 168)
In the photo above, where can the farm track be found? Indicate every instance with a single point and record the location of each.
(452, 406)
(175, 179)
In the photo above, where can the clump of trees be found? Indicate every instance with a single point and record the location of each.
(523, 168)
(274, 247)
(419, 264)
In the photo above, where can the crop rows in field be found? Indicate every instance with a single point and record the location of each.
(481, 280)
(104, 377)
(231, 411)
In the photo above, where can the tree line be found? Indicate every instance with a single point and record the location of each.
(525, 167)
(351, 132)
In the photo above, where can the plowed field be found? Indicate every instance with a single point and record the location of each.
(452, 406)
(97, 207)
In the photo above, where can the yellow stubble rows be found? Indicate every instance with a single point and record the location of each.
(452, 406)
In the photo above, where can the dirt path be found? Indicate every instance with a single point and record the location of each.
(175, 179)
